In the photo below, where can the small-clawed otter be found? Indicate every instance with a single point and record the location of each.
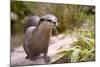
(36, 40)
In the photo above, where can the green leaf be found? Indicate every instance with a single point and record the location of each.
(75, 55)
(84, 55)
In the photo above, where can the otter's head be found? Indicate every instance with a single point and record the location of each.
(49, 19)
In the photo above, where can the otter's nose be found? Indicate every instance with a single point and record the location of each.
(55, 23)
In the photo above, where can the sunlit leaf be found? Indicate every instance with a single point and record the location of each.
(74, 56)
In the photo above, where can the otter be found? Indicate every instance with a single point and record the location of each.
(36, 40)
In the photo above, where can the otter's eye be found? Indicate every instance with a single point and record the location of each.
(42, 19)
(49, 20)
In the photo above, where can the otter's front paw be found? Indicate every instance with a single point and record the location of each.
(47, 59)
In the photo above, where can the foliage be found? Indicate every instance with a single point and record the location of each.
(20, 9)
(83, 50)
